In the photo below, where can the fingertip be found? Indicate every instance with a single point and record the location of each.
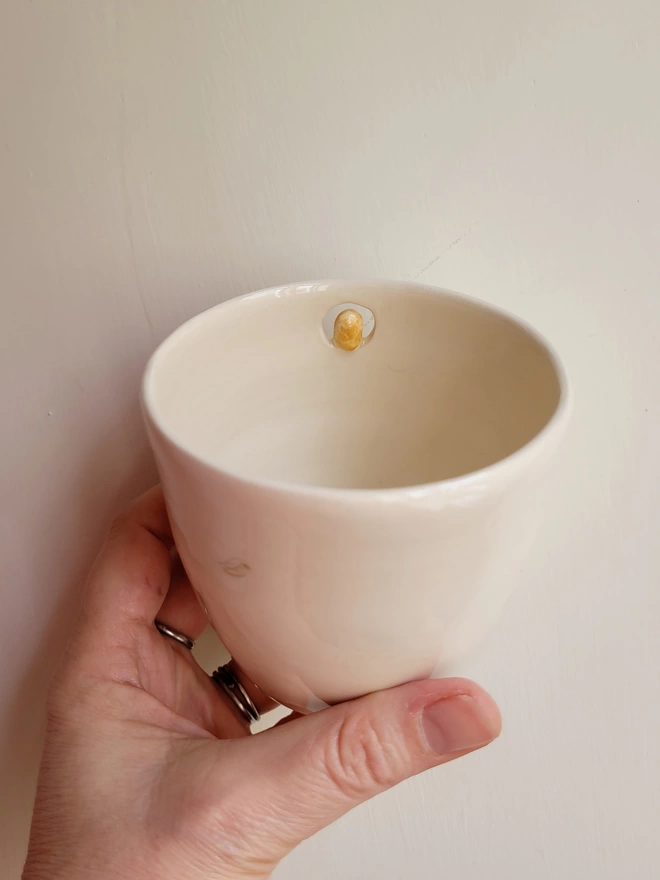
(420, 693)
(455, 725)
(455, 715)
(131, 575)
(181, 608)
(149, 511)
(489, 711)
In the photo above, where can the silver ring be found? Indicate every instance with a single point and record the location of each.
(174, 634)
(225, 678)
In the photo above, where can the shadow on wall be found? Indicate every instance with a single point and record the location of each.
(86, 507)
(70, 475)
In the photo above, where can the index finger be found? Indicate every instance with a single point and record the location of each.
(131, 575)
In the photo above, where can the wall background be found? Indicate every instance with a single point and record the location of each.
(159, 156)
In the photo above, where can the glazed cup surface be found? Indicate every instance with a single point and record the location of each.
(352, 519)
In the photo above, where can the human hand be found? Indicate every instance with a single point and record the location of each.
(148, 769)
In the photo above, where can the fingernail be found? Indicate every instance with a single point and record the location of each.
(456, 724)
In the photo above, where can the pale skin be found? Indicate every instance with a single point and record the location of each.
(149, 771)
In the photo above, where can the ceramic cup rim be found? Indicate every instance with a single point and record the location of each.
(550, 432)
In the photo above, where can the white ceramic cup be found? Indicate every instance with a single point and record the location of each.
(352, 519)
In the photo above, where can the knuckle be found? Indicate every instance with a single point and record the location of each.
(76, 688)
(55, 704)
(61, 707)
(120, 523)
(362, 755)
(69, 695)
(124, 527)
(62, 684)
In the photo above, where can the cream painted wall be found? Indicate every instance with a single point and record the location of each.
(159, 156)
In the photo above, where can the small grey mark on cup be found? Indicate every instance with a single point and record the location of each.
(235, 568)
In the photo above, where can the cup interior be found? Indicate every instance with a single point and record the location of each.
(444, 386)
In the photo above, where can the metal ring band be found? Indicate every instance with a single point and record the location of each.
(174, 634)
(225, 678)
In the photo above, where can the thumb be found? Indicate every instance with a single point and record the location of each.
(312, 770)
